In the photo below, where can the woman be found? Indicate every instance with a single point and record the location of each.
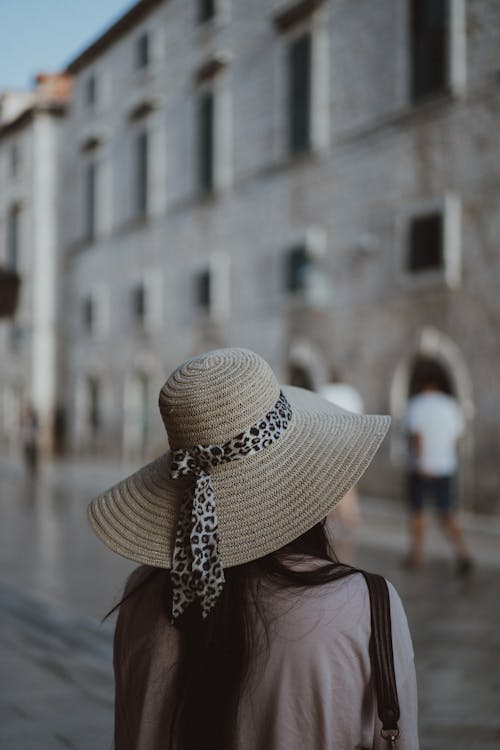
(239, 631)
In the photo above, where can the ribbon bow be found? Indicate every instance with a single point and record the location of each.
(197, 572)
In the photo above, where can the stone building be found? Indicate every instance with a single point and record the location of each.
(30, 129)
(315, 180)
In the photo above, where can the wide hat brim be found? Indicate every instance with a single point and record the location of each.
(264, 500)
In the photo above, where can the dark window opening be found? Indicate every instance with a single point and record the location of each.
(142, 52)
(94, 406)
(88, 314)
(139, 303)
(206, 142)
(14, 160)
(300, 377)
(426, 240)
(145, 414)
(13, 223)
(206, 10)
(429, 47)
(141, 196)
(203, 290)
(299, 95)
(297, 267)
(90, 201)
(91, 91)
(426, 372)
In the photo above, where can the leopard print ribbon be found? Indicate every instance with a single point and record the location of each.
(197, 572)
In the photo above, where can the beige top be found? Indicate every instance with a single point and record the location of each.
(311, 690)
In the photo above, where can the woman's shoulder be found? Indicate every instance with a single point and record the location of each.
(341, 608)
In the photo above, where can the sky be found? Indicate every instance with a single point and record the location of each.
(44, 35)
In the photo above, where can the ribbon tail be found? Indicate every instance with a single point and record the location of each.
(208, 574)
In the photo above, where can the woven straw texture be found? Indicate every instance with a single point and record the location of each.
(264, 500)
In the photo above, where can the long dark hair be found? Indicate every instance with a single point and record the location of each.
(215, 653)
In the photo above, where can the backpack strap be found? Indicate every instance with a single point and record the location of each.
(382, 657)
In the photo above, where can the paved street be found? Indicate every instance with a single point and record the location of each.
(56, 582)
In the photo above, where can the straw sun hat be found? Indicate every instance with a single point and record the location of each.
(272, 495)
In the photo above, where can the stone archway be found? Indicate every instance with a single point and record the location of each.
(306, 365)
(435, 348)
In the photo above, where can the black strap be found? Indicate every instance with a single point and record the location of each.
(382, 657)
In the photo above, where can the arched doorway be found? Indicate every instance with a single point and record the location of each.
(306, 365)
(300, 376)
(425, 369)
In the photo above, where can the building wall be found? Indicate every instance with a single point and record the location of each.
(376, 160)
(27, 343)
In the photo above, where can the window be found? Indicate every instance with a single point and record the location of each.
(429, 48)
(139, 304)
(14, 160)
(145, 400)
(94, 405)
(425, 243)
(203, 290)
(88, 314)
(91, 91)
(206, 10)
(206, 141)
(142, 52)
(212, 287)
(90, 201)
(430, 237)
(299, 94)
(298, 264)
(13, 223)
(141, 174)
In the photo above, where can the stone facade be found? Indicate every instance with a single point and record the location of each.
(30, 129)
(377, 160)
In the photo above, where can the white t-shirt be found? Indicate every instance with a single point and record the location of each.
(438, 420)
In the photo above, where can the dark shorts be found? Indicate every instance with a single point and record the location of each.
(440, 490)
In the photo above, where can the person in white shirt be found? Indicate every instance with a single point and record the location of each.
(434, 422)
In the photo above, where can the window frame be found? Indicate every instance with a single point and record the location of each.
(456, 55)
(449, 275)
(217, 271)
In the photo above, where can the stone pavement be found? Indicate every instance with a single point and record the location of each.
(56, 580)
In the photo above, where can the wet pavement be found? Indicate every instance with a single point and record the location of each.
(57, 581)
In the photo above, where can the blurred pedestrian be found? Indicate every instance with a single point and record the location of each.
(29, 437)
(434, 423)
(240, 631)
